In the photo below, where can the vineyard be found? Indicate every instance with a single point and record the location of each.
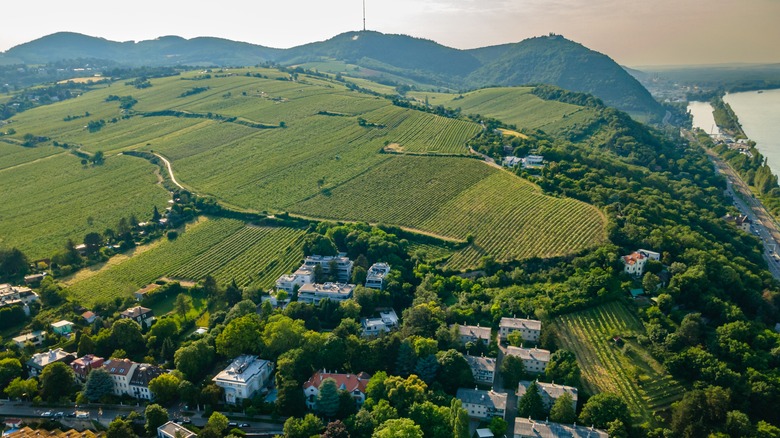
(457, 197)
(629, 371)
(224, 248)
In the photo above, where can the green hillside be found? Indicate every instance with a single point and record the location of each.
(309, 146)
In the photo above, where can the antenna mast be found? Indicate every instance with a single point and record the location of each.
(364, 15)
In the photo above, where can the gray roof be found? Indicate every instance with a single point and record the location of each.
(529, 353)
(481, 362)
(544, 429)
(171, 429)
(475, 331)
(551, 389)
(496, 400)
(520, 323)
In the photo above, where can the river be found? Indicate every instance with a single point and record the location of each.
(759, 114)
(702, 117)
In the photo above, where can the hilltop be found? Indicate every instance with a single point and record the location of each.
(387, 58)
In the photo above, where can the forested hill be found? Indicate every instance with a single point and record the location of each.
(393, 59)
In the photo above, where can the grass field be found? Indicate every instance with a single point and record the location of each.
(630, 371)
(224, 248)
(457, 197)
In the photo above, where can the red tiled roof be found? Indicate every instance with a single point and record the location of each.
(633, 257)
(348, 382)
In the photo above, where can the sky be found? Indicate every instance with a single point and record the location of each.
(633, 32)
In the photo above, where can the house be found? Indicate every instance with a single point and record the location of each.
(355, 384)
(512, 161)
(34, 279)
(62, 328)
(244, 377)
(314, 293)
(484, 433)
(89, 316)
(473, 333)
(530, 329)
(83, 365)
(634, 263)
(550, 392)
(143, 316)
(27, 432)
(173, 430)
(527, 428)
(483, 368)
(120, 370)
(740, 221)
(386, 321)
(10, 295)
(482, 405)
(82, 249)
(375, 278)
(35, 338)
(38, 361)
(288, 283)
(534, 359)
(142, 293)
(139, 381)
(341, 262)
(532, 161)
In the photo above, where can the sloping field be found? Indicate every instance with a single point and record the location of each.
(456, 197)
(629, 371)
(223, 248)
(13, 155)
(43, 203)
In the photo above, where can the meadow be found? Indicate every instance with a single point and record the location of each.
(628, 370)
(226, 249)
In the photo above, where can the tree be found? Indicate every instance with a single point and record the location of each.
(165, 388)
(512, 370)
(156, 215)
(233, 293)
(99, 384)
(515, 338)
(93, 242)
(563, 368)
(163, 329)
(497, 426)
(335, 429)
(455, 371)
(188, 392)
(603, 408)
(738, 424)
(531, 405)
(402, 393)
(459, 419)
(156, 416)
(86, 345)
(650, 282)
(13, 264)
(427, 367)
(328, 398)
(10, 369)
(126, 334)
(305, 427)
(398, 428)
(218, 422)
(22, 389)
(562, 411)
(241, 336)
(317, 244)
(56, 381)
(120, 428)
(282, 333)
(182, 305)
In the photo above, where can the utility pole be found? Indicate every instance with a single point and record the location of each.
(364, 15)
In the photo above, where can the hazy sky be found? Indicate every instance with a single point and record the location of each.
(633, 32)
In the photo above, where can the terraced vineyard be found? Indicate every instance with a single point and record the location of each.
(630, 371)
(223, 248)
(457, 197)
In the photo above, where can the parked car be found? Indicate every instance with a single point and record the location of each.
(59, 414)
(244, 425)
(47, 414)
(232, 424)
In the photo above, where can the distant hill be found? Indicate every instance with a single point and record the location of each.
(551, 60)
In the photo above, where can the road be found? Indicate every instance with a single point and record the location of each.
(764, 225)
(170, 170)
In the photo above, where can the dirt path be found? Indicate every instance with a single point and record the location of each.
(487, 159)
(170, 170)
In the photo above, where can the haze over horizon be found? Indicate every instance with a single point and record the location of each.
(633, 32)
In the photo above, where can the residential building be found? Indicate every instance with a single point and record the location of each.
(35, 338)
(341, 262)
(474, 333)
(375, 277)
(62, 328)
(39, 361)
(288, 283)
(139, 380)
(142, 293)
(141, 315)
(512, 161)
(550, 392)
(173, 430)
(526, 428)
(10, 295)
(530, 329)
(482, 405)
(740, 221)
(244, 377)
(355, 384)
(120, 370)
(386, 321)
(535, 360)
(83, 365)
(483, 368)
(89, 316)
(314, 293)
(34, 279)
(634, 263)
(531, 161)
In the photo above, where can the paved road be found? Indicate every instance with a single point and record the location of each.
(764, 225)
(511, 399)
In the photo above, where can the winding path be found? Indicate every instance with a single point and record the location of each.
(170, 170)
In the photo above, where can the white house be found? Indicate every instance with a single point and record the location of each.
(481, 404)
(244, 377)
(483, 368)
(35, 338)
(142, 315)
(550, 392)
(288, 282)
(173, 430)
(375, 278)
(314, 293)
(355, 384)
(512, 161)
(526, 428)
(634, 263)
(740, 221)
(473, 333)
(386, 321)
(530, 329)
(39, 361)
(22, 295)
(535, 360)
(342, 263)
(531, 161)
